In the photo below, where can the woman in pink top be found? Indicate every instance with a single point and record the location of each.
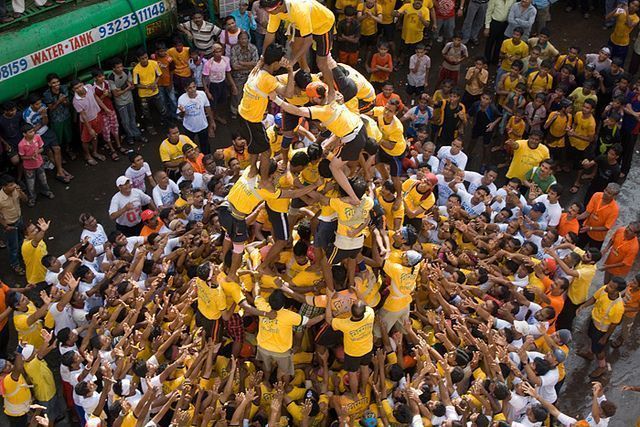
(30, 151)
(217, 79)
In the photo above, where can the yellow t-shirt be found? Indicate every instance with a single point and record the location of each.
(28, 333)
(181, 60)
(281, 204)
(368, 26)
(296, 412)
(584, 127)
(538, 83)
(403, 283)
(366, 91)
(358, 336)
(412, 26)
(392, 132)
(245, 194)
(146, 76)
(211, 301)
(17, 397)
(578, 97)
(390, 214)
(275, 140)
(606, 312)
(32, 256)
(508, 49)
(368, 285)
(335, 117)
(371, 127)
(621, 30)
(579, 288)
(276, 334)
(558, 129)
(170, 152)
(350, 217)
(41, 377)
(525, 158)
(255, 95)
(308, 17)
(413, 199)
(387, 7)
(232, 291)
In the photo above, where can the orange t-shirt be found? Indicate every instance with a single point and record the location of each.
(197, 164)
(568, 225)
(557, 302)
(377, 60)
(631, 300)
(146, 230)
(4, 289)
(166, 66)
(622, 250)
(600, 215)
(382, 100)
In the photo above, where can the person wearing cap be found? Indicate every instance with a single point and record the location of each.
(526, 154)
(607, 312)
(126, 206)
(345, 125)
(41, 378)
(16, 392)
(601, 61)
(312, 22)
(152, 223)
(403, 275)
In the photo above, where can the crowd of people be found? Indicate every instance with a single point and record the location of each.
(362, 254)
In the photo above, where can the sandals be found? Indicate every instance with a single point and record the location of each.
(91, 162)
(63, 179)
(114, 156)
(99, 157)
(123, 150)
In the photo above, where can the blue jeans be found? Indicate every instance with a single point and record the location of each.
(14, 238)
(168, 97)
(127, 115)
(258, 40)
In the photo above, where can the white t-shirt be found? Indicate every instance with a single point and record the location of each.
(444, 191)
(475, 180)
(467, 204)
(62, 319)
(553, 213)
(51, 277)
(166, 197)
(131, 217)
(444, 153)
(195, 117)
(197, 183)
(417, 79)
(138, 177)
(96, 238)
(549, 380)
(433, 162)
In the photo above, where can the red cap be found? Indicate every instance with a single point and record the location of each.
(312, 89)
(147, 214)
(550, 265)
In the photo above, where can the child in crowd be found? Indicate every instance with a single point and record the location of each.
(30, 150)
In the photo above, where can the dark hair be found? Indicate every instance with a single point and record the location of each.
(277, 299)
(274, 53)
(302, 78)
(300, 248)
(300, 159)
(52, 76)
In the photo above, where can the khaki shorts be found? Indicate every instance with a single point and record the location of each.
(283, 361)
(390, 319)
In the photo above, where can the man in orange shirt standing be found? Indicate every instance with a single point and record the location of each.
(569, 220)
(631, 298)
(623, 249)
(599, 217)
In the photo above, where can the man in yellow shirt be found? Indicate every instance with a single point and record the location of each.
(41, 377)
(17, 392)
(145, 77)
(369, 16)
(255, 99)
(34, 249)
(357, 340)
(608, 309)
(583, 133)
(26, 318)
(512, 49)
(415, 17)
(171, 153)
(626, 19)
(312, 22)
(526, 154)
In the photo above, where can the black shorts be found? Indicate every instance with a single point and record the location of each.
(327, 336)
(219, 92)
(353, 363)
(49, 139)
(211, 327)
(595, 335)
(414, 90)
(325, 234)
(387, 31)
(336, 255)
(236, 228)
(258, 142)
(324, 43)
(351, 150)
(279, 224)
(369, 40)
(289, 121)
(394, 162)
(365, 106)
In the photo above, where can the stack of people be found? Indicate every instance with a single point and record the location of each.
(359, 255)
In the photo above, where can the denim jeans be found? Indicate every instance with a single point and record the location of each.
(14, 238)
(168, 96)
(127, 115)
(30, 176)
(258, 40)
(473, 21)
(157, 103)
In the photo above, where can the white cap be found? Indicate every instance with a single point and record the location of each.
(122, 180)
(27, 351)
